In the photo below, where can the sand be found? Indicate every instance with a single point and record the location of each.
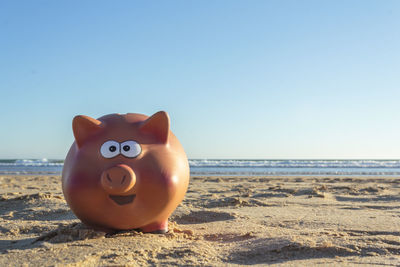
(222, 221)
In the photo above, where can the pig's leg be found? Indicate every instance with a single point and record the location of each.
(156, 228)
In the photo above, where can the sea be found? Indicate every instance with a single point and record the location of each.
(237, 167)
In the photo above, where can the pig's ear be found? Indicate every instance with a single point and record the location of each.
(158, 126)
(83, 127)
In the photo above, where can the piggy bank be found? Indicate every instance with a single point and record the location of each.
(125, 172)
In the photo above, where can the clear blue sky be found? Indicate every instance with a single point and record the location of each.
(240, 79)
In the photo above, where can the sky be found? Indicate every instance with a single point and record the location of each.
(239, 79)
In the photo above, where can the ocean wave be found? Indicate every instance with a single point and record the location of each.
(236, 167)
(296, 163)
(240, 163)
(31, 162)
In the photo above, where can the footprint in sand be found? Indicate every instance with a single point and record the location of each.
(196, 217)
(71, 232)
(36, 207)
(272, 250)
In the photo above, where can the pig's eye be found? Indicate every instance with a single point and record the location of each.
(110, 149)
(130, 149)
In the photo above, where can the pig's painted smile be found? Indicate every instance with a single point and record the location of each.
(122, 200)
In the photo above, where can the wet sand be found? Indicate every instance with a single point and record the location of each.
(222, 221)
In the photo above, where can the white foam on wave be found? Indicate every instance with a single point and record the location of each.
(235, 167)
(31, 162)
(296, 163)
(243, 163)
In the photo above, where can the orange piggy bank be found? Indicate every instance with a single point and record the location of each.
(125, 172)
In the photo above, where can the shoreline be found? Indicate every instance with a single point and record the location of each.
(223, 220)
(284, 176)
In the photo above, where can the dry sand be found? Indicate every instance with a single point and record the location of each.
(222, 221)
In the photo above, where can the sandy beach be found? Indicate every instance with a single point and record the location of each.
(288, 221)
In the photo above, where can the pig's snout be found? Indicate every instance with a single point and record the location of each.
(118, 179)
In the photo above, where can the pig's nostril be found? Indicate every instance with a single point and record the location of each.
(123, 179)
(108, 178)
